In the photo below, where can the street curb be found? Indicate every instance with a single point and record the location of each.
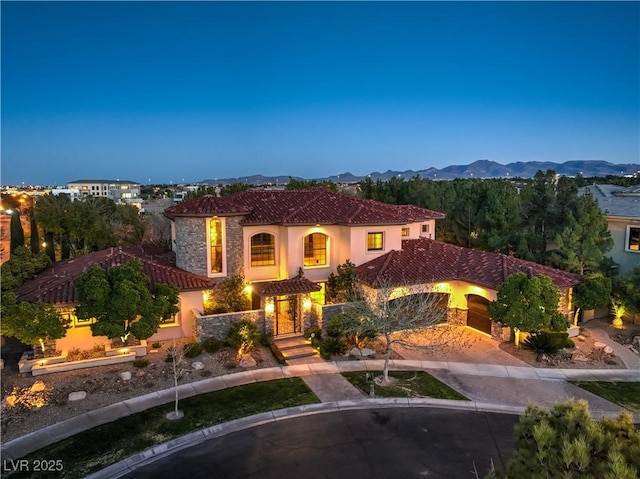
(143, 458)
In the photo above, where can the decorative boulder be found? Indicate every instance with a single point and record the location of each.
(599, 345)
(362, 353)
(197, 365)
(608, 349)
(77, 395)
(37, 387)
(125, 375)
(247, 362)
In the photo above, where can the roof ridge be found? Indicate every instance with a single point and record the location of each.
(312, 199)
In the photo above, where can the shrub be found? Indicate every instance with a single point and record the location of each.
(558, 338)
(212, 345)
(352, 328)
(540, 343)
(243, 336)
(266, 338)
(314, 332)
(331, 346)
(141, 362)
(192, 350)
(277, 354)
(156, 345)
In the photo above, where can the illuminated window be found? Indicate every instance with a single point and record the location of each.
(375, 241)
(633, 238)
(215, 243)
(405, 231)
(172, 321)
(318, 296)
(263, 250)
(315, 249)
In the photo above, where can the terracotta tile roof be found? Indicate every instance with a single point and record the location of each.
(55, 285)
(425, 261)
(298, 207)
(287, 286)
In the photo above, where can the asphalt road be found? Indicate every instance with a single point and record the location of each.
(396, 443)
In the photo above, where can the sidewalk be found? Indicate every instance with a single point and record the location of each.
(490, 386)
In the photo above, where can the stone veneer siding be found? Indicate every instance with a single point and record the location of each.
(191, 245)
(235, 246)
(217, 325)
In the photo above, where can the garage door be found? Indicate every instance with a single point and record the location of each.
(478, 318)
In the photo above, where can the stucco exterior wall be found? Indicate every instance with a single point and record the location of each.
(627, 260)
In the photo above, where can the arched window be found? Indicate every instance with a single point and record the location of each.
(315, 249)
(263, 250)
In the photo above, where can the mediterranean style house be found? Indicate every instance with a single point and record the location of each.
(285, 244)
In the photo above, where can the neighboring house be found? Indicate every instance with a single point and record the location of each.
(621, 206)
(120, 191)
(272, 236)
(55, 286)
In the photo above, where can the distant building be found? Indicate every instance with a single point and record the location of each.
(72, 193)
(120, 191)
(621, 206)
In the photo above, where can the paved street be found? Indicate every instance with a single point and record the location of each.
(372, 443)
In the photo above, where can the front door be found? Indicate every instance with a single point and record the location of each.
(287, 315)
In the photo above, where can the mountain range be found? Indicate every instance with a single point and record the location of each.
(477, 169)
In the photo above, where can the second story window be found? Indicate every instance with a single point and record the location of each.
(405, 232)
(315, 249)
(633, 238)
(263, 250)
(425, 229)
(375, 241)
(215, 243)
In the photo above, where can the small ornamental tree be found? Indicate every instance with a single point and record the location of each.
(16, 232)
(527, 304)
(121, 302)
(594, 292)
(343, 285)
(31, 323)
(402, 316)
(231, 295)
(565, 442)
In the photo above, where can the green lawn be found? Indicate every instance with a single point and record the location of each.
(411, 384)
(101, 446)
(624, 394)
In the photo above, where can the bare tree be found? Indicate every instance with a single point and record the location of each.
(411, 316)
(176, 353)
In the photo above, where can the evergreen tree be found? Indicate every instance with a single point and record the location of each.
(582, 244)
(17, 233)
(121, 302)
(527, 304)
(565, 442)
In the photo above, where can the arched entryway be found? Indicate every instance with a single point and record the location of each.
(478, 317)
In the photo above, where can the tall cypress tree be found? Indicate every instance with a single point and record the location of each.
(17, 234)
(35, 238)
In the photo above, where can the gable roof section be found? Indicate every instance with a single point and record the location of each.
(428, 261)
(301, 207)
(55, 285)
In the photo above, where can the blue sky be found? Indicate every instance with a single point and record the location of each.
(166, 91)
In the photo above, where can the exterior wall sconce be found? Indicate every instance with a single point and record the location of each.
(306, 304)
(269, 307)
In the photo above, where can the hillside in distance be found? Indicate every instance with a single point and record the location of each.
(477, 169)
